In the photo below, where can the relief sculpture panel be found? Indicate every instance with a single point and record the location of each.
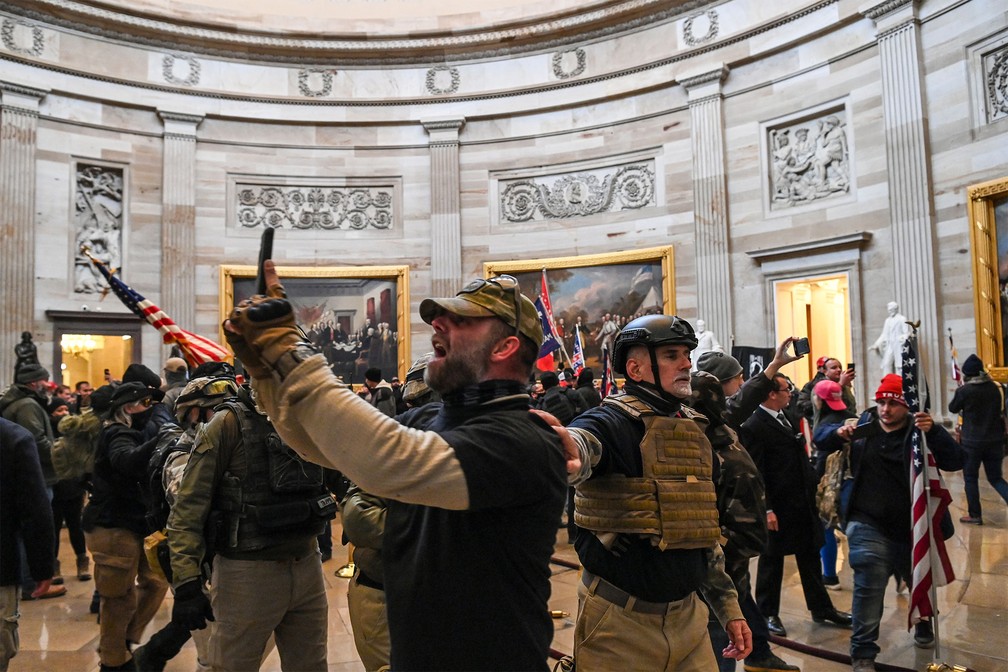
(98, 223)
(996, 75)
(809, 160)
(315, 207)
(579, 194)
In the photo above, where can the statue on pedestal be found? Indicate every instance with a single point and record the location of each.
(706, 342)
(889, 344)
(26, 352)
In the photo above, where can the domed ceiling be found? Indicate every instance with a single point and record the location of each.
(364, 31)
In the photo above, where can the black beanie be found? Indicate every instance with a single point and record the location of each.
(29, 373)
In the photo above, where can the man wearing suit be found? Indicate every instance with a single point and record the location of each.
(792, 520)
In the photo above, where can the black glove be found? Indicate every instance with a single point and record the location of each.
(192, 607)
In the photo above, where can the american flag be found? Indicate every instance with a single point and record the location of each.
(925, 481)
(195, 349)
(577, 361)
(608, 385)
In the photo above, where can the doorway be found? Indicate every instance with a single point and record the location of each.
(818, 308)
(86, 344)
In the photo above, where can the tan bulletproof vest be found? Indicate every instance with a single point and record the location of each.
(674, 501)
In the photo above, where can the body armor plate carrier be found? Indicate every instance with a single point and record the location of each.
(281, 497)
(674, 501)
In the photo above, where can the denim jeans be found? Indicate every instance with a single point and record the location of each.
(874, 558)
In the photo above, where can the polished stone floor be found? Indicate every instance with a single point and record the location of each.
(60, 635)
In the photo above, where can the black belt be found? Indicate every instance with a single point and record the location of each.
(365, 580)
(610, 593)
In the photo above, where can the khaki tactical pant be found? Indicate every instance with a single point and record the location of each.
(130, 591)
(9, 598)
(253, 599)
(370, 624)
(609, 637)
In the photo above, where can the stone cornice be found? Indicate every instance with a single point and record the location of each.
(26, 91)
(717, 75)
(851, 240)
(372, 48)
(880, 10)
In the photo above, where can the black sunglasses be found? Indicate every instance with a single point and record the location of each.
(507, 283)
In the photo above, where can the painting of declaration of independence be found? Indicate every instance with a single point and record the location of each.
(597, 294)
(357, 322)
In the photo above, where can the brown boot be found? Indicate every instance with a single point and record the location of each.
(83, 567)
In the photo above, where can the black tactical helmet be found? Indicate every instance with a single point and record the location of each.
(652, 331)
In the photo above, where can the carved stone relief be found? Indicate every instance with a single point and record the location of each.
(314, 207)
(29, 40)
(809, 160)
(579, 194)
(705, 23)
(98, 222)
(315, 82)
(996, 76)
(563, 68)
(442, 80)
(191, 78)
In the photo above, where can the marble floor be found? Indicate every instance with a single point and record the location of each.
(60, 635)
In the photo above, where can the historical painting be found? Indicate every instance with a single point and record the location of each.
(98, 223)
(357, 316)
(596, 295)
(987, 207)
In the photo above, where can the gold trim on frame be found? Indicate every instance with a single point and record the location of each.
(651, 255)
(398, 274)
(986, 288)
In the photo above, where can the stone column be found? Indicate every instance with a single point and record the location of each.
(446, 210)
(910, 207)
(19, 110)
(710, 201)
(178, 218)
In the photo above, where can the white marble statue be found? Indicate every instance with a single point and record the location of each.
(706, 342)
(889, 345)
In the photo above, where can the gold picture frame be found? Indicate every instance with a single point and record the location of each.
(337, 306)
(589, 286)
(987, 208)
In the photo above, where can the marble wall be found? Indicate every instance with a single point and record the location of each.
(568, 113)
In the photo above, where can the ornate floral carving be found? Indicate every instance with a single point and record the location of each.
(304, 84)
(168, 70)
(558, 63)
(997, 84)
(9, 41)
(432, 77)
(579, 194)
(712, 28)
(809, 161)
(315, 207)
(98, 218)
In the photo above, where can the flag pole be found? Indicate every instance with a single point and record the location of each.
(933, 588)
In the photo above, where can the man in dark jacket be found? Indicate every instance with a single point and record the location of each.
(564, 403)
(25, 513)
(877, 509)
(586, 389)
(981, 403)
(778, 449)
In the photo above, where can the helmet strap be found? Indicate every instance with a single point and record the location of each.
(659, 388)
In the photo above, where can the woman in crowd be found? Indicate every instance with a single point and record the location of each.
(115, 527)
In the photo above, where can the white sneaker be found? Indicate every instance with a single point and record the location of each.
(863, 665)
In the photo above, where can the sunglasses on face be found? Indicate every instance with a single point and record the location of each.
(507, 283)
(146, 402)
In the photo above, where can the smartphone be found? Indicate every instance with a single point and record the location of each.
(850, 366)
(801, 346)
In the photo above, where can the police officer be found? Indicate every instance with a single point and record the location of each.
(259, 507)
(649, 523)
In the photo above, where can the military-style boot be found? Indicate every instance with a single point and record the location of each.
(57, 579)
(83, 567)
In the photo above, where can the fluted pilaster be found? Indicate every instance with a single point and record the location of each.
(446, 215)
(18, 129)
(710, 200)
(910, 205)
(178, 220)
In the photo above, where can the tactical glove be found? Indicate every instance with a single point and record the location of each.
(192, 607)
(265, 329)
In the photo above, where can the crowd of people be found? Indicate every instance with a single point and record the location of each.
(451, 491)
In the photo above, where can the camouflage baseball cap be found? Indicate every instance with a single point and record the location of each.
(495, 297)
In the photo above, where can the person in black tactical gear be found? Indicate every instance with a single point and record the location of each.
(644, 562)
(249, 498)
(563, 402)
